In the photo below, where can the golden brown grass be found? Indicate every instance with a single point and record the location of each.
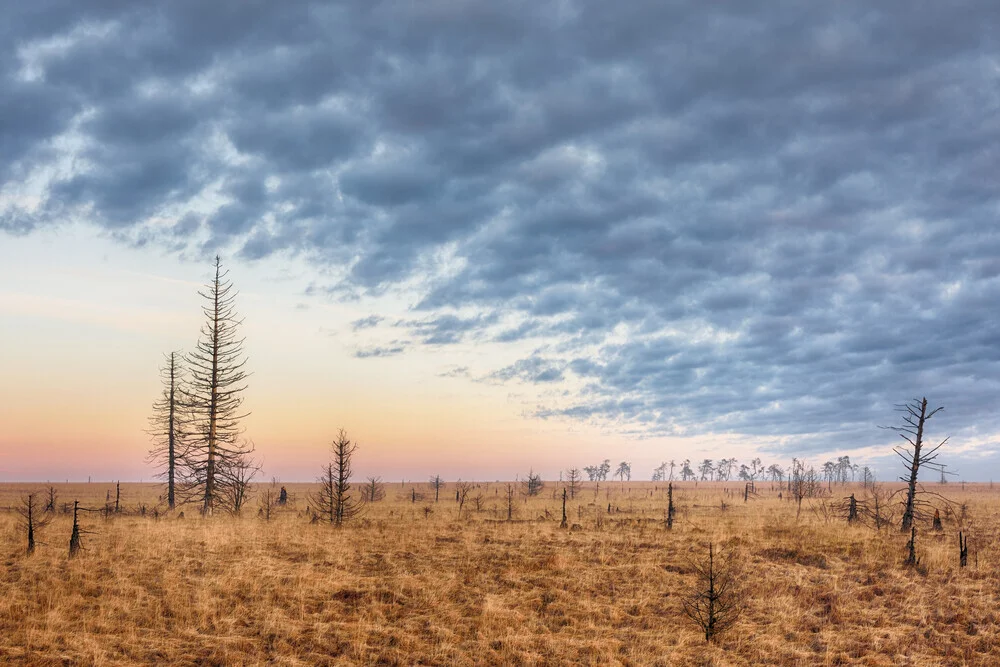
(403, 586)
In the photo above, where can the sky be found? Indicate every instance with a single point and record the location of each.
(488, 237)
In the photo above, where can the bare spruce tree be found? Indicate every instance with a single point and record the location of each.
(166, 426)
(573, 481)
(32, 520)
(914, 455)
(713, 601)
(214, 399)
(334, 501)
(533, 484)
(373, 490)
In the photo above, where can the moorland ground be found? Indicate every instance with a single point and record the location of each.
(416, 583)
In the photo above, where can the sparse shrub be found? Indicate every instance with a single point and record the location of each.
(713, 601)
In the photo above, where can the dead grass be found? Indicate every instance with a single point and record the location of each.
(403, 586)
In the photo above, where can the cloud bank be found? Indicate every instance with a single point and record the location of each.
(765, 218)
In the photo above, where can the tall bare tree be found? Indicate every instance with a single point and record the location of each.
(334, 501)
(214, 397)
(915, 416)
(166, 426)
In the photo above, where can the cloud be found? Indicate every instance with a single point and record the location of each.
(744, 217)
(532, 369)
(366, 322)
(380, 352)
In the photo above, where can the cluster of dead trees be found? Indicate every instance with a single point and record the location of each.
(36, 512)
(198, 443)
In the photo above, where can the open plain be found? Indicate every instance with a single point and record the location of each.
(413, 582)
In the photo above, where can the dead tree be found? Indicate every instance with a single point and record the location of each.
(166, 426)
(574, 478)
(373, 490)
(849, 508)
(462, 490)
(533, 484)
(50, 505)
(563, 523)
(510, 493)
(74, 540)
(963, 550)
(713, 601)
(915, 456)
(213, 399)
(878, 506)
(911, 549)
(436, 484)
(235, 481)
(30, 520)
(670, 506)
(334, 500)
(267, 503)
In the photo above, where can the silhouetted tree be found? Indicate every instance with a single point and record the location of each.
(334, 501)
(776, 472)
(573, 481)
(373, 490)
(235, 480)
(32, 520)
(624, 471)
(50, 504)
(462, 490)
(713, 601)
(436, 484)
(214, 398)
(166, 426)
(671, 510)
(533, 484)
(915, 416)
(724, 469)
(74, 539)
(267, 502)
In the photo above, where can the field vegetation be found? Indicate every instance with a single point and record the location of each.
(411, 580)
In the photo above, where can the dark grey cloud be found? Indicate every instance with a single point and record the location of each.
(770, 218)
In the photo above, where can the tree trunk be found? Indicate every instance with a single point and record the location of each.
(911, 489)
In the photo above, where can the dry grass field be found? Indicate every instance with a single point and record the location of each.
(415, 583)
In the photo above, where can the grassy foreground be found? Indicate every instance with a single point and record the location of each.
(414, 583)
